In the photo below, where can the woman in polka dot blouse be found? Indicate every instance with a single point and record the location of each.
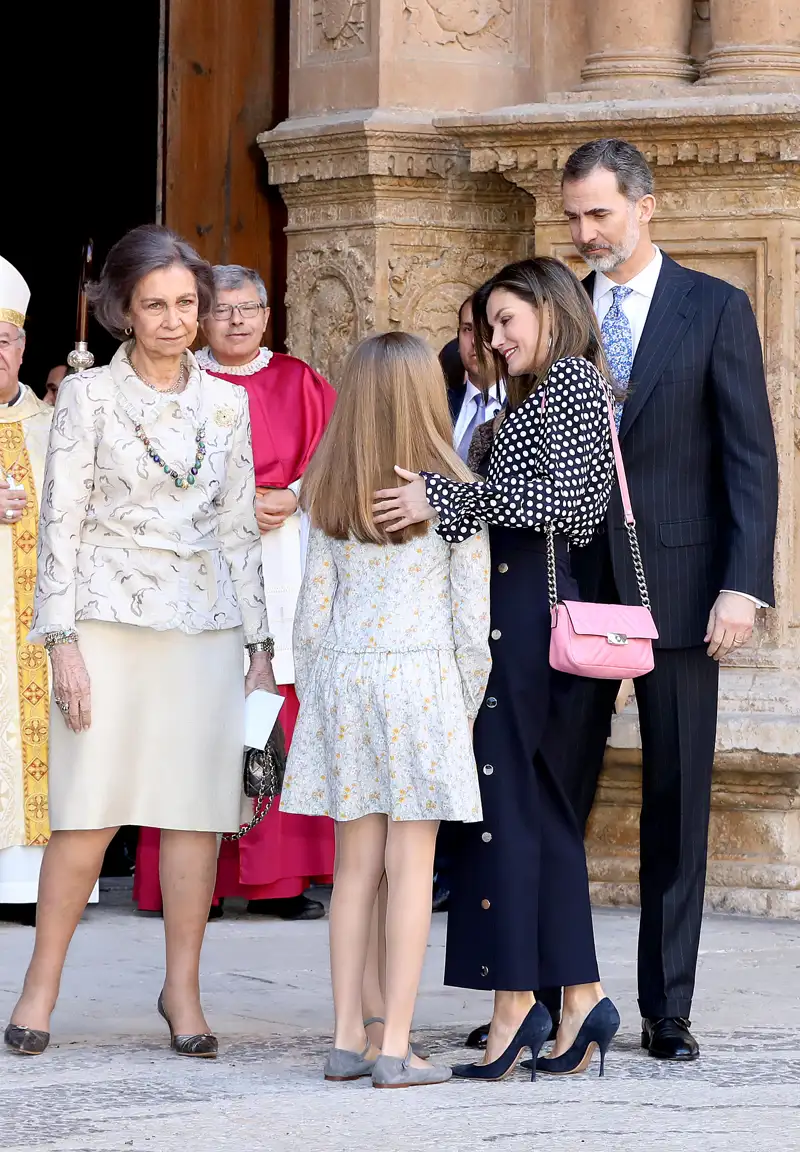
(519, 914)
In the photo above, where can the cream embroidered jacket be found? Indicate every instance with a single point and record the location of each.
(118, 541)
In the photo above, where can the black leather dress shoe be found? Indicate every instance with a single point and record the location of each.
(478, 1037)
(217, 911)
(441, 895)
(288, 908)
(19, 914)
(669, 1038)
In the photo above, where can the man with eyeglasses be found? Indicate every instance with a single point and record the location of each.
(290, 405)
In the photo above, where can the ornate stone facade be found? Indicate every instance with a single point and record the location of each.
(405, 190)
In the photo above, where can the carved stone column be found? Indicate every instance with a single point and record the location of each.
(387, 230)
(387, 227)
(728, 203)
(639, 46)
(755, 43)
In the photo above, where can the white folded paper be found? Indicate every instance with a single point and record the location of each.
(261, 710)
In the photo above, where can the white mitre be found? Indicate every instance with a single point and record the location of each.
(14, 295)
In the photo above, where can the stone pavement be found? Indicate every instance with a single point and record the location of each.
(110, 1084)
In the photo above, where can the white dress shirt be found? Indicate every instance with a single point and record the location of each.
(494, 403)
(636, 307)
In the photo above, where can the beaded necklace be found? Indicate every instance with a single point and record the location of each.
(183, 478)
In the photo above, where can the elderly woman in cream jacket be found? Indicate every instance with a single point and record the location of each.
(149, 586)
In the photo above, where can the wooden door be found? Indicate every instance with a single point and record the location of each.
(226, 80)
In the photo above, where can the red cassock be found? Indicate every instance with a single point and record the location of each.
(290, 405)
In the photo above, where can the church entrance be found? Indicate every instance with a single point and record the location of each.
(145, 110)
(81, 156)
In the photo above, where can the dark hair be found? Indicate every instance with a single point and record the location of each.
(634, 178)
(450, 357)
(463, 306)
(145, 249)
(452, 368)
(546, 284)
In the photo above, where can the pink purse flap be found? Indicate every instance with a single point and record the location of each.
(630, 620)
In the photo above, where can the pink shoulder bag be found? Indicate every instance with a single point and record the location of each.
(604, 641)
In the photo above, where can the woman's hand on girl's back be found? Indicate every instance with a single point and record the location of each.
(397, 508)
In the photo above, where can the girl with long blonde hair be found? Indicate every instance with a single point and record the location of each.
(391, 663)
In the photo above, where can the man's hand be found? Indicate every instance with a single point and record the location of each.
(730, 624)
(397, 508)
(274, 506)
(12, 500)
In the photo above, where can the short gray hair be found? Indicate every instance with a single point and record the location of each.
(143, 250)
(229, 277)
(634, 178)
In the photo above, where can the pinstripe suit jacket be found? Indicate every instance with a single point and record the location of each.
(699, 451)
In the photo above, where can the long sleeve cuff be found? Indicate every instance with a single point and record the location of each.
(754, 599)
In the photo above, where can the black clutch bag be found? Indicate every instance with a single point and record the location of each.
(264, 771)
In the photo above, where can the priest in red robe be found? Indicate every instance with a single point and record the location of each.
(290, 404)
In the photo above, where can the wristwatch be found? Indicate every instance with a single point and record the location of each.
(267, 646)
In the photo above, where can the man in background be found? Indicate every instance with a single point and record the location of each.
(473, 399)
(55, 378)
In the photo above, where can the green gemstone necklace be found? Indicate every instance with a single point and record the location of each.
(182, 479)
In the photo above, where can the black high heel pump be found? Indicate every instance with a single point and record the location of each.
(532, 1033)
(203, 1044)
(597, 1031)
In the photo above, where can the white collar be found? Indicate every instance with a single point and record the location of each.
(495, 394)
(644, 282)
(208, 361)
(471, 391)
(17, 398)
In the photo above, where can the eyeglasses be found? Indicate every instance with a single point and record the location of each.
(247, 311)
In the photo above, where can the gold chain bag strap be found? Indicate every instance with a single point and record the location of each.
(264, 770)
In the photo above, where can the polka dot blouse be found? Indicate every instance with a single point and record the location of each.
(551, 463)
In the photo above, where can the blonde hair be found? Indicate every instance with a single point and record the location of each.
(391, 409)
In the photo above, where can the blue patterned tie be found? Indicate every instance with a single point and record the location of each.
(618, 343)
(478, 418)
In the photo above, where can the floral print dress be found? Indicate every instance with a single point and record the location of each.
(391, 650)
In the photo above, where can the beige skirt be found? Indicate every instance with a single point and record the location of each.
(166, 742)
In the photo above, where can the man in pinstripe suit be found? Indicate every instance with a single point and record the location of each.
(699, 451)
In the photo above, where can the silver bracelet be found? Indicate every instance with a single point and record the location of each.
(267, 646)
(60, 636)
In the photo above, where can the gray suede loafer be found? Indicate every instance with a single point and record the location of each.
(343, 1065)
(392, 1072)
